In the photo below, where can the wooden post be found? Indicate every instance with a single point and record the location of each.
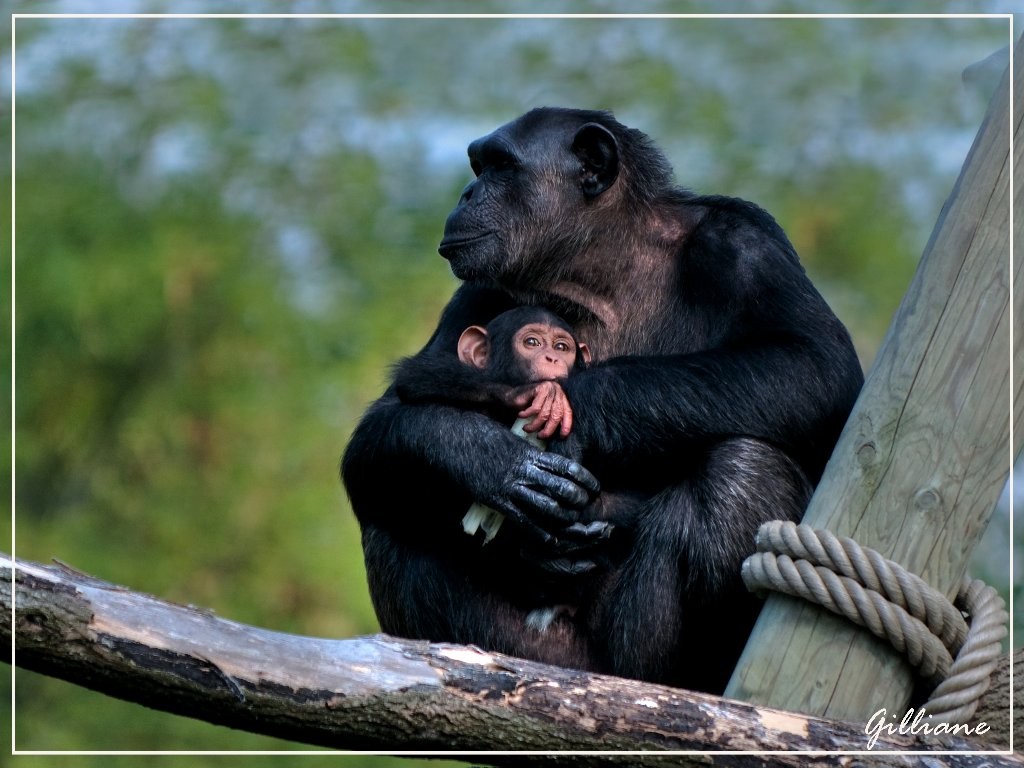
(926, 451)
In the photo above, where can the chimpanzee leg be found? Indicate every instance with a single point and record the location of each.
(677, 611)
(426, 596)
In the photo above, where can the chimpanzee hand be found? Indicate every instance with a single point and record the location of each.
(577, 549)
(546, 403)
(541, 493)
(576, 444)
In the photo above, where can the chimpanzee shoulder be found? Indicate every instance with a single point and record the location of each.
(726, 218)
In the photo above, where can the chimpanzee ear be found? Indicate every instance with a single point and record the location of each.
(598, 151)
(474, 346)
(584, 352)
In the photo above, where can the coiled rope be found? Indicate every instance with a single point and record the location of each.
(894, 604)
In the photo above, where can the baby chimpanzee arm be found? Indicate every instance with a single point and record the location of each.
(443, 379)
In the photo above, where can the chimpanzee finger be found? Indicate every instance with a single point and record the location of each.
(549, 428)
(564, 566)
(540, 419)
(545, 405)
(566, 420)
(578, 541)
(533, 405)
(563, 493)
(553, 418)
(524, 399)
(532, 531)
(572, 470)
(531, 501)
(586, 533)
(561, 418)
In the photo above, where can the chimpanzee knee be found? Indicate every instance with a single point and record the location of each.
(677, 610)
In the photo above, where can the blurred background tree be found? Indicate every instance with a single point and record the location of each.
(226, 231)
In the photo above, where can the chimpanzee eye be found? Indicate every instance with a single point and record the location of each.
(561, 346)
(499, 158)
(531, 341)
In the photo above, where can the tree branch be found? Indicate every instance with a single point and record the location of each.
(380, 693)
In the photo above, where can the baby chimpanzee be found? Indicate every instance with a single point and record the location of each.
(513, 365)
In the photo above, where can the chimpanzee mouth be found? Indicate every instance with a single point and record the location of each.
(450, 246)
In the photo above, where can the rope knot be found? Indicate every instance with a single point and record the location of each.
(894, 604)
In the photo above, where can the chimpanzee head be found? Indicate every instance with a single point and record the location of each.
(522, 346)
(547, 185)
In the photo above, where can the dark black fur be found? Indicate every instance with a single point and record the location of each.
(721, 383)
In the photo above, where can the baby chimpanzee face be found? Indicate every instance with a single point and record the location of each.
(544, 351)
(522, 346)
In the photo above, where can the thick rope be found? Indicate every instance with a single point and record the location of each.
(956, 698)
(894, 604)
(872, 571)
(846, 597)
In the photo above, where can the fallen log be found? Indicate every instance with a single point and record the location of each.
(383, 694)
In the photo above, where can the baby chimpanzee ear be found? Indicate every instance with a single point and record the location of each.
(474, 346)
(583, 351)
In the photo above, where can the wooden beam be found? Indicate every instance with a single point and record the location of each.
(926, 452)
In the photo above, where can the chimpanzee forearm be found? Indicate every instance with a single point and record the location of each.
(651, 406)
(454, 445)
(431, 377)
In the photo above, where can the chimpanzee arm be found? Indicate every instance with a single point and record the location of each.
(395, 441)
(775, 364)
(434, 376)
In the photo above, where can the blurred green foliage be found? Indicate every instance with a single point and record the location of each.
(226, 232)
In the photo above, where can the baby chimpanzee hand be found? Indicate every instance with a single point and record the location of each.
(547, 404)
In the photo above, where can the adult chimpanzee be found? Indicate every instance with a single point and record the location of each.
(722, 382)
